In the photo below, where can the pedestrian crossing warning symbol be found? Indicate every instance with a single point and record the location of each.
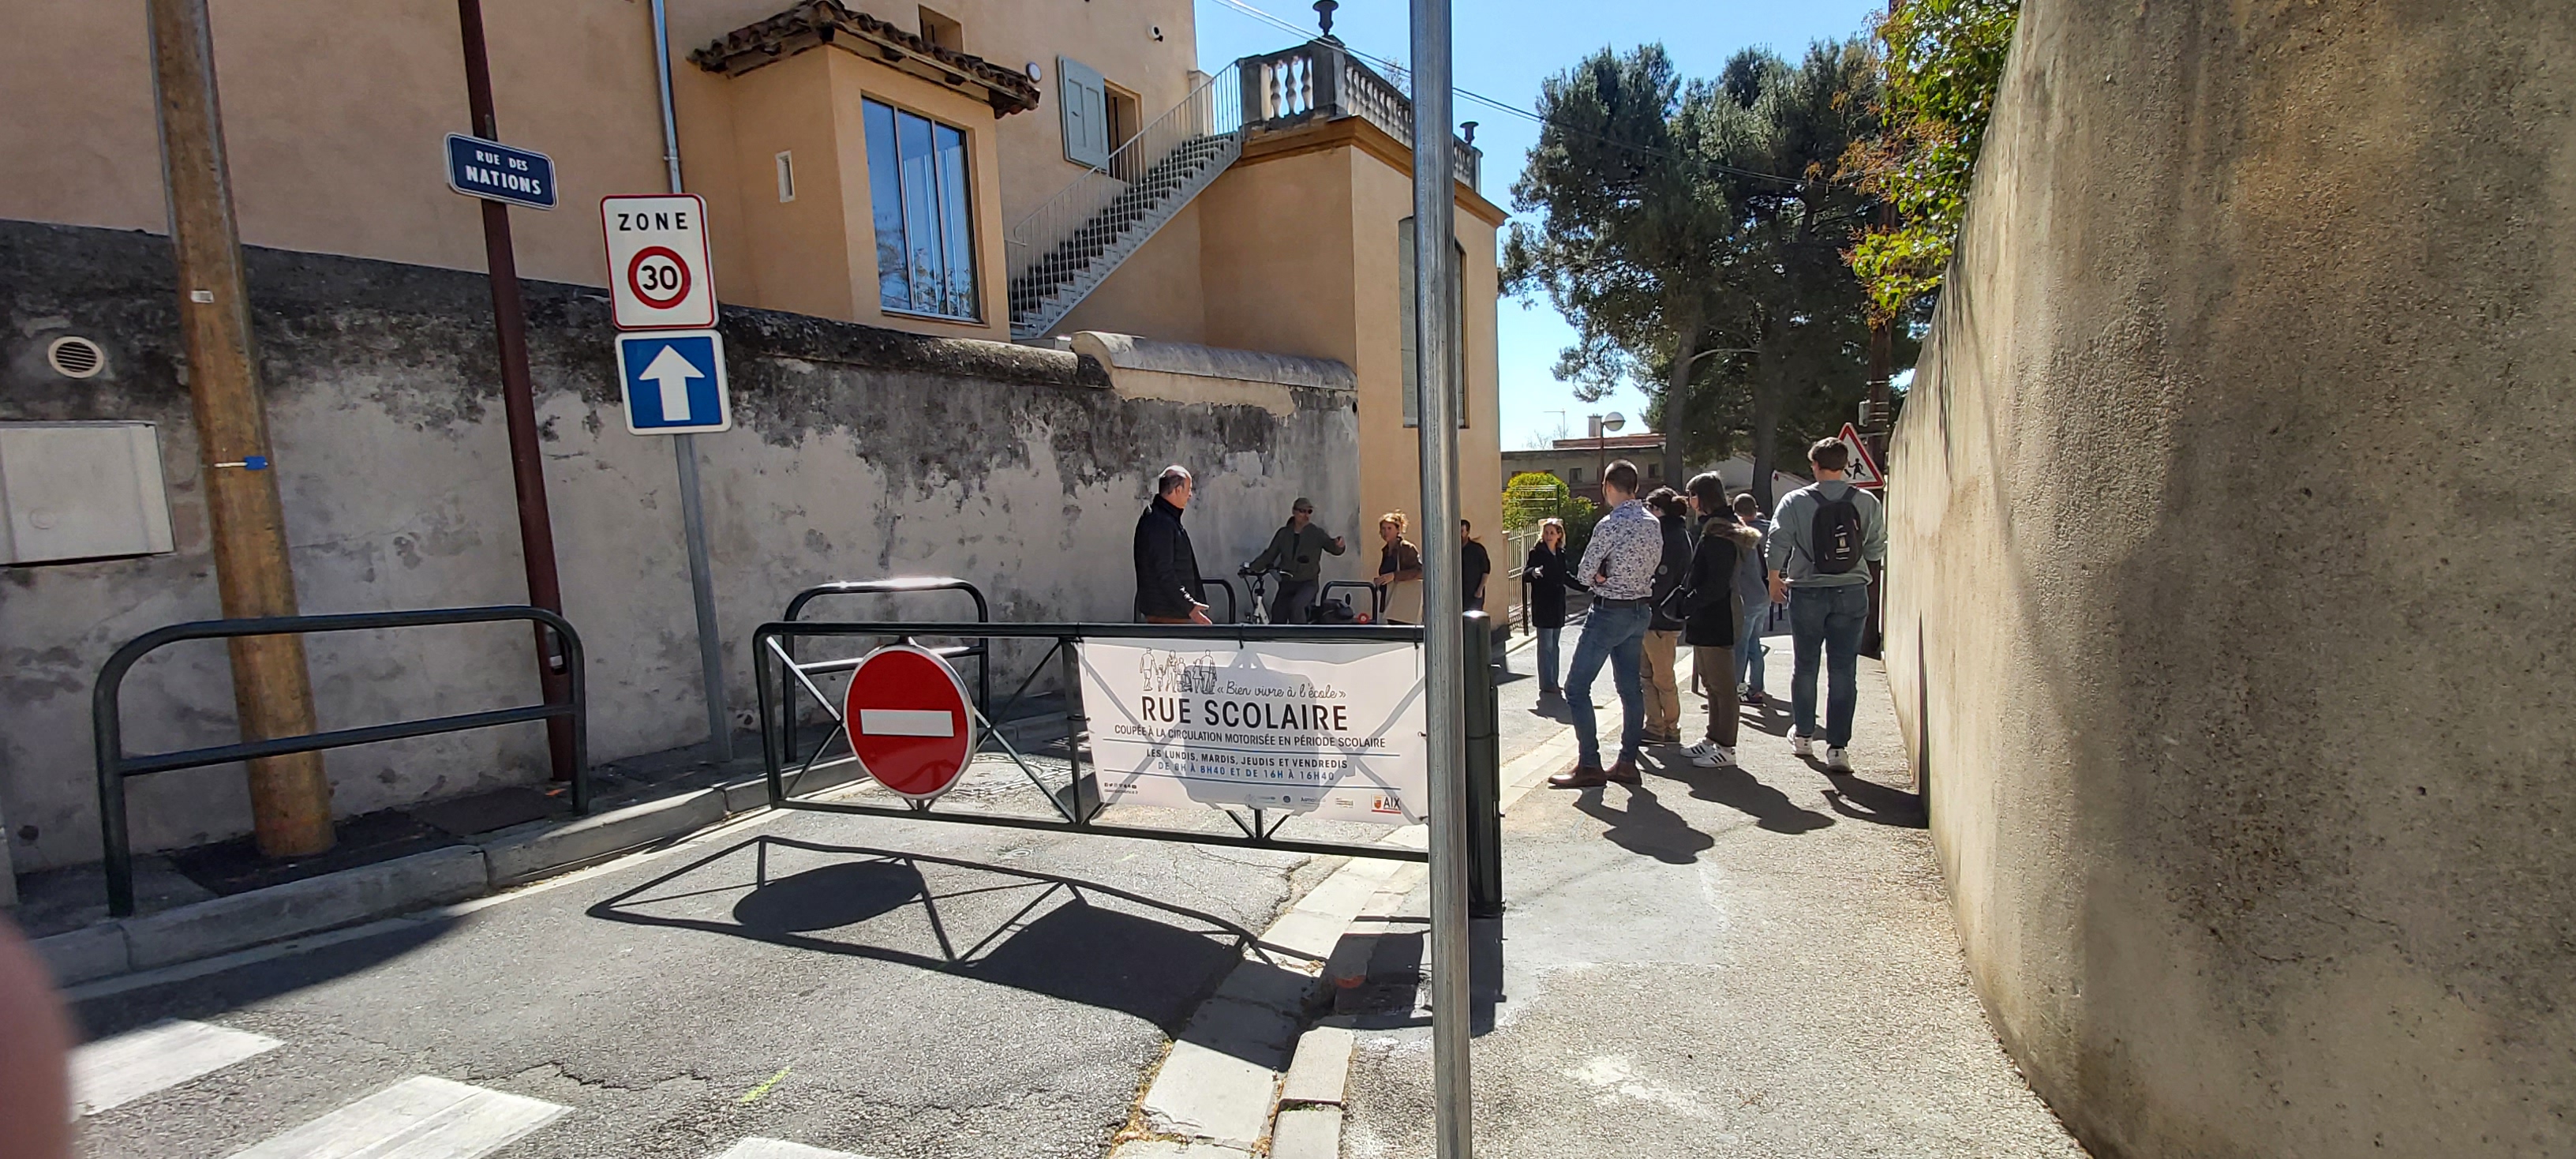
(674, 382)
(1864, 468)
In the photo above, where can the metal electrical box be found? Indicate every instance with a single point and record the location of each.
(81, 491)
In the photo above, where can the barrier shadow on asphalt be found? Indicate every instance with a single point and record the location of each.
(1047, 934)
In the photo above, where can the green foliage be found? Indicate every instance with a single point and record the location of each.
(1694, 232)
(1534, 496)
(1945, 61)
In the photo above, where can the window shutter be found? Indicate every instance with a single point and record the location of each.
(1406, 307)
(1083, 98)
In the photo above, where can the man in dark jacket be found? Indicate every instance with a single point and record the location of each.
(1297, 549)
(1664, 631)
(1167, 571)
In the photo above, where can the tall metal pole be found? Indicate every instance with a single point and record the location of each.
(1435, 284)
(518, 397)
(290, 796)
(684, 449)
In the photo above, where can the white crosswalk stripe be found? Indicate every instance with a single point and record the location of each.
(418, 1118)
(779, 1149)
(115, 1071)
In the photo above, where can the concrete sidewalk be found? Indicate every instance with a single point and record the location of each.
(1755, 962)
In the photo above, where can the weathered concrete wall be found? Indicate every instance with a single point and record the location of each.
(858, 452)
(2231, 517)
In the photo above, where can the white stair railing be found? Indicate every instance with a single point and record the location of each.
(1062, 248)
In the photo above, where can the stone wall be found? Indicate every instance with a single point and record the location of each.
(2231, 610)
(857, 453)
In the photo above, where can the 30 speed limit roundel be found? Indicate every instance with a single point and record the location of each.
(658, 277)
(908, 721)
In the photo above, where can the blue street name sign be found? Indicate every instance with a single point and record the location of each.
(489, 169)
(674, 382)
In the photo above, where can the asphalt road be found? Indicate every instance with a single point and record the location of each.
(868, 986)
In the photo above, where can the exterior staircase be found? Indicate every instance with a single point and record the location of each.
(1073, 262)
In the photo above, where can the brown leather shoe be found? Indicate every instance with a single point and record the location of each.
(1579, 777)
(1624, 772)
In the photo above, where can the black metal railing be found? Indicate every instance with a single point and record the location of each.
(115, 765)
(1076, 804)
(978, 648)
(1233, 610)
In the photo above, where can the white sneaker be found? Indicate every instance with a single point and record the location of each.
(1710, 755)
(1802, 746)
(1837, 760)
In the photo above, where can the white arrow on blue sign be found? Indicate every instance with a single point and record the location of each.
(674, 382)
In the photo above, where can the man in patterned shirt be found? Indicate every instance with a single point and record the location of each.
(1619, 570)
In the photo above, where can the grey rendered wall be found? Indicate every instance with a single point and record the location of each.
(2233, 509)
(858, 452)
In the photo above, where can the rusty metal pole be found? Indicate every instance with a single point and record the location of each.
(518, 397)
(290, 796)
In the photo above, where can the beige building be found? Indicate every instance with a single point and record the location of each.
(986, 169)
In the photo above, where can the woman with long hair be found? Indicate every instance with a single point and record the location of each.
(1712, 614)
(1543, 576)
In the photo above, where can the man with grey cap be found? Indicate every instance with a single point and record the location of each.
(1297, 549)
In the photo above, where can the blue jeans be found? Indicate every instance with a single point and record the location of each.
(1748, 647)
(1616, 635)
(1547, 659)
(1830, 619)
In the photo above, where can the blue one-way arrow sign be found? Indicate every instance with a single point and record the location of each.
(674, 382)
(490, 169)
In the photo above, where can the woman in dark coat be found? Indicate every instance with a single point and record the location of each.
(1711, 616)
(1544, 573)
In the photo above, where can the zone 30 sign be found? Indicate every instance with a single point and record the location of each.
(657, 261)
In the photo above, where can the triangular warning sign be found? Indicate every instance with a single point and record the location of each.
(1864, 468)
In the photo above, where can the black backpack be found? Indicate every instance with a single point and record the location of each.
(1835, 533)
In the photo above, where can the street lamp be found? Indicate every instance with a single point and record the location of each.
(1602, 426)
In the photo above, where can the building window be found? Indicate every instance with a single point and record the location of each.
(1404, 320)
(1574, 476)
(917, 190)
(942, 32)
(786, 177)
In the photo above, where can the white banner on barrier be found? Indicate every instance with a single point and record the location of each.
(1333, 729)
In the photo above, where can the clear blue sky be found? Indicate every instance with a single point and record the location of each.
(1503, 49)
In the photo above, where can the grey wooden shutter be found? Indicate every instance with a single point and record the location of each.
(1084, 107)
(1406, 308)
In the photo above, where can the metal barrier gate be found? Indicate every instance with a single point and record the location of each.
(114, 766)
(1077, 803)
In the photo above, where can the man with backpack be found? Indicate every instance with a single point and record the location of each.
(1827, 538)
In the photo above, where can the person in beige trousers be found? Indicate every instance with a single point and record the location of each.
(1664, 633)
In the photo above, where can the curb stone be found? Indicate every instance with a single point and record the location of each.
(1308, 1133)
(517, 858)
(84, 954)
(207, 928)
(1166, 1149)
(367, 893)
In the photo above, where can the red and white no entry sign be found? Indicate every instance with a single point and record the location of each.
(658, 278)
(908, 721)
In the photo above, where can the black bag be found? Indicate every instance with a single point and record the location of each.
(1835, 533)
